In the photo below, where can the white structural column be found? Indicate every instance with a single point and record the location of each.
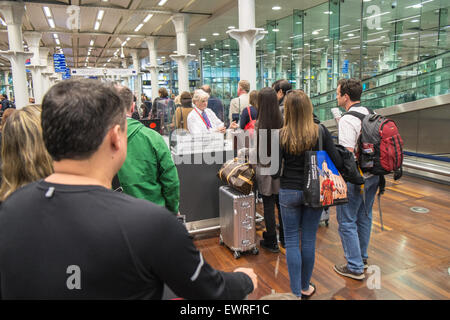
(138, 82)
(33, 40)
(152, 54)
(8, 87)
(182, 57)
(247, 36)
(125, 79)
(13, 13)
(50, 72)
(43, 56)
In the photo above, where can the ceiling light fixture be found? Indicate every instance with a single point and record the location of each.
(148, 17)
(97, 25)
(138, 27)
(276, 8)
(328, 12)
(2, 22)
(231, 27)
(162, 2)
(100, 14)
(275, 30)
(216, 34)
(51, 22)
(47, 12)
(202, 39)
(192, 44)
(91, 43)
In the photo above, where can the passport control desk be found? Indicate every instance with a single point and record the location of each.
(197, 162)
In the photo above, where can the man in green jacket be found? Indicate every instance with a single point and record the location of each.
(148, 171)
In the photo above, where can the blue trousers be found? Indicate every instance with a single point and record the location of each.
(300, 262)
(355, 222)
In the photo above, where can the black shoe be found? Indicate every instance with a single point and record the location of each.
(271, 247)
(307, 296)
(344, 271)
(365, 263)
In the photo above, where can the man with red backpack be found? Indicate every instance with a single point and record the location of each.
(354, 217)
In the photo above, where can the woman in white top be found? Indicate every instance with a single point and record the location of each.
(202, 119)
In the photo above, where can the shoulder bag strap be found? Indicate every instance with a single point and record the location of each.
(249, 115)
(320, 137)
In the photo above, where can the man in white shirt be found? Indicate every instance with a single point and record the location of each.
(202, 119)
(354, 217)
(242, 101)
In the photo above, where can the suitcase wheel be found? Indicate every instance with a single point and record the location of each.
(237, 254)
(221, 240)
(255, 251)
(326, 222)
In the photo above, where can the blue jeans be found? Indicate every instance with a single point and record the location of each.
(295, 214)
(355, 222)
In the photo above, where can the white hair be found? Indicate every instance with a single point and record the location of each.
(199, 94)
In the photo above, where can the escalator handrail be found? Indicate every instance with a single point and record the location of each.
(387, 73)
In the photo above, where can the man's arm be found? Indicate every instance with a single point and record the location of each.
(234, 108)
(347, 134)
(168, 176)
(165, 251)
(192, 124)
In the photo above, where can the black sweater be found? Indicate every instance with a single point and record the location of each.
(245, 119)
(294, 165)
(88, 242)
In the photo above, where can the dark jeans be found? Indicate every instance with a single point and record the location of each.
(300, 262)
(269, 203)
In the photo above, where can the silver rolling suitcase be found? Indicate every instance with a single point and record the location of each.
(237, 221)
(325, 216)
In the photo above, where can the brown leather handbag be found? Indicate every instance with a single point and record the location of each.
(238, 174)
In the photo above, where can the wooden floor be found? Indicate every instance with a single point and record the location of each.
(413, 251)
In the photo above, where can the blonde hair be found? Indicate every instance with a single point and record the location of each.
(199, 94)
(6, 115)
(299, 132)
(25, 158)
(244, 85)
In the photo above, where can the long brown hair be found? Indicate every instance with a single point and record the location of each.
(25, 158)
(299, 132)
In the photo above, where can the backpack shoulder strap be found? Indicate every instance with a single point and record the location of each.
(370, 110)
(359, 115)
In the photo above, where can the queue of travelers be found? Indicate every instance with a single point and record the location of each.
(64, 186)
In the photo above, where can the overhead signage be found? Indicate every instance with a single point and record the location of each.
(66, 75)
(59, 61)
(345, 66)
(103, 72)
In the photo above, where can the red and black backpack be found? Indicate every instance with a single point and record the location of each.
(380, 146)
